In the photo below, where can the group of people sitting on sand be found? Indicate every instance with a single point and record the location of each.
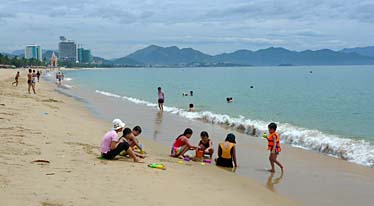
(226, 149)
(113, 144)
(127, 144)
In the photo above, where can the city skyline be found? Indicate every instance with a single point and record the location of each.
(113, 29)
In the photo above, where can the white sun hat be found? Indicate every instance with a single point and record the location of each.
(118, 124)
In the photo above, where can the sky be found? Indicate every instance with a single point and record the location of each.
(115, 28)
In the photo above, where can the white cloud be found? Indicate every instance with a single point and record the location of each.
(113, 28)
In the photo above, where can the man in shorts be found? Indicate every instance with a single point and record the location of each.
(29, 82)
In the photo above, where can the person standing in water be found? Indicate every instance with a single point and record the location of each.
(29, 82)
(16, 79)
(161, 99)
(59, 79)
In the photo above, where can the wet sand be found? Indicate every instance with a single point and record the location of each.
(310, 178)
(54, 127)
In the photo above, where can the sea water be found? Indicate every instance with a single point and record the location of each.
(328, 109)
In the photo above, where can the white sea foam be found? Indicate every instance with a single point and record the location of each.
(108, 94)
(68, 79)
(66, 86)
(358, 151)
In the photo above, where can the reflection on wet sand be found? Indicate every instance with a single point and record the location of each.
(158, 122)
(228, 169)
(271, 182)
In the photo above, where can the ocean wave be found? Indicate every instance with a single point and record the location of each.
(68, 79)
(357, 151)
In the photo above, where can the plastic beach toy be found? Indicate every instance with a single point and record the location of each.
(157, 166)
(207, 161)
(265, 135)
(186, 159)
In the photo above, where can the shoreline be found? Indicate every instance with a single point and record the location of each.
(323, 175)
(59, 129)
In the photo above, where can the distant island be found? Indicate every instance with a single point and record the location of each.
(157, 56)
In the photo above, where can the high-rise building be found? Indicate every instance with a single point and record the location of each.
(67, 51)
(84, 55)
(33, 52)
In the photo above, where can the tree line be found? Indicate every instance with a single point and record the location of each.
(20, 62)
(23, 62)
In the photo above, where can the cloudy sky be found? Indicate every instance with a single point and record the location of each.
(114, 28)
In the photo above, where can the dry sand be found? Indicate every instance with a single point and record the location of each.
(56, 128)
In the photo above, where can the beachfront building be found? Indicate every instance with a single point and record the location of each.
(33, 52)
(67, 50)
(84, 56)
(53, 60)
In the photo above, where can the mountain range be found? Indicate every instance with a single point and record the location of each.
(274, 56)
(365, 51)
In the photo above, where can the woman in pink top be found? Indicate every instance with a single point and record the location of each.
(182, 145)
(161, 99)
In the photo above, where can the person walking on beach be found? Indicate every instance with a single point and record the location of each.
(16, 79)
(29, 82)
(161, 99)
(34, 78)
(111, 145)
(274, 146)
(38, 75)
(227, 152)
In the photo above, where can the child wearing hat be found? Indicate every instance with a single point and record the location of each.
(227, 152)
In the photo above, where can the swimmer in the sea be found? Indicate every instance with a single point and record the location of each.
(191, 108)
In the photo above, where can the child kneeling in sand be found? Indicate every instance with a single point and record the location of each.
(182, 145)
(205, 144)
(130, 138)
(111, 145)
(227, 152)
(273, 146)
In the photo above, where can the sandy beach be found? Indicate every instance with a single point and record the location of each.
(51, 126)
